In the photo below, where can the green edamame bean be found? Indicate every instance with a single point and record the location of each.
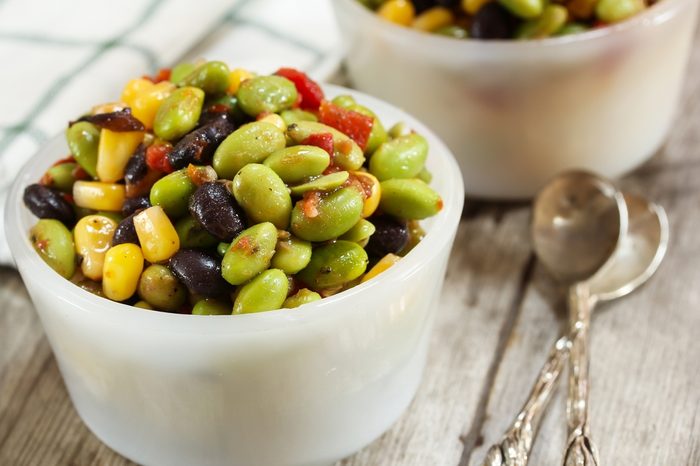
(612, 11)
(551, 20)
(400, 129)
(324, 183)
(453, 31)
(221, 248)
(266, 94)
(211, 307)
(346, 153)
(251, 143)
(425, 175)
(344, 101)
(334, 264)
(378, 135)
(179, 71)
(179, 113)
(212, 77)
(250, 253)
(263, 195)
(266, 292)
(410, 199)
(61, 176)
(192, 235)
(402, 157)
(291, 255)
(172, 193)
(303, 296)
(296, 115)
(336, 212)
(83, 141)
(526, 9)
(54, 243)
(572, 28)
(161, 289)
(294, 164)
(359, 233)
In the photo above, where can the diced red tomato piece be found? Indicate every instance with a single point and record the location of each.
(157, 158)
(309, 203)
(322, 140)
(354, 124)
(163, 74)
(310, 92)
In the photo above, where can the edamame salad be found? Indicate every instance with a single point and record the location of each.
(206, 190)
(506, 19)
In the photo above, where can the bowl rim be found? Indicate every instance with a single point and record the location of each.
(439, 235)
(661, 12)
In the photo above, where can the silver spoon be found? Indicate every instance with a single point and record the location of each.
(636, 259)
(578, 221)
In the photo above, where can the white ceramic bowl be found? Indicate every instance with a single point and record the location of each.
(300, 387)
(516, 113)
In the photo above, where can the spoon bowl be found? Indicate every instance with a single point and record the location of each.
(578, 221)
(638, 255)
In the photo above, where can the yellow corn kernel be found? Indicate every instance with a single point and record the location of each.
(433, 19)
(109, 107)
(371, 185)
(236, 77)
(114, 151)
(93, 234)
(134, 88)
(383, 264)
(122, 270)
(275, 119)
(157, 235)
(398, 11)
(472, 6)
(97, 195)
(144, 104)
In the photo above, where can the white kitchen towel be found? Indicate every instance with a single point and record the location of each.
(63, 57)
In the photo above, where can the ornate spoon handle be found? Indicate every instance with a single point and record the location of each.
(517, 442)
(580, 450)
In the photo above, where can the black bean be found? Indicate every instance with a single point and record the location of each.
(217, 111)
(213, 206)
(134, 204)
(448, 3)
(136, 167)
(126, 232)
(199, 271)
(493, 21)
(45, 202)
(391, 236)
(199, 145)
(422, 5)
(121, 120)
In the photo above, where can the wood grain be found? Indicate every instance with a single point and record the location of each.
(498, 315)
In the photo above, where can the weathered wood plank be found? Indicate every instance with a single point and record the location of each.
(645, 401)
(480, 296)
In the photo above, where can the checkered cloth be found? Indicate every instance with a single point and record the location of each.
(63, 57)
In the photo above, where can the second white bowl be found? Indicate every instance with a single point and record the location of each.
(516, 113)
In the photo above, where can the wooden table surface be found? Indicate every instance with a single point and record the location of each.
(498, 315)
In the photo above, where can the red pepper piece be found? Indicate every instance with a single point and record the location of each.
(322, 140)
(157, 158)
(353, 124)
(310, 92)
(163, 74)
